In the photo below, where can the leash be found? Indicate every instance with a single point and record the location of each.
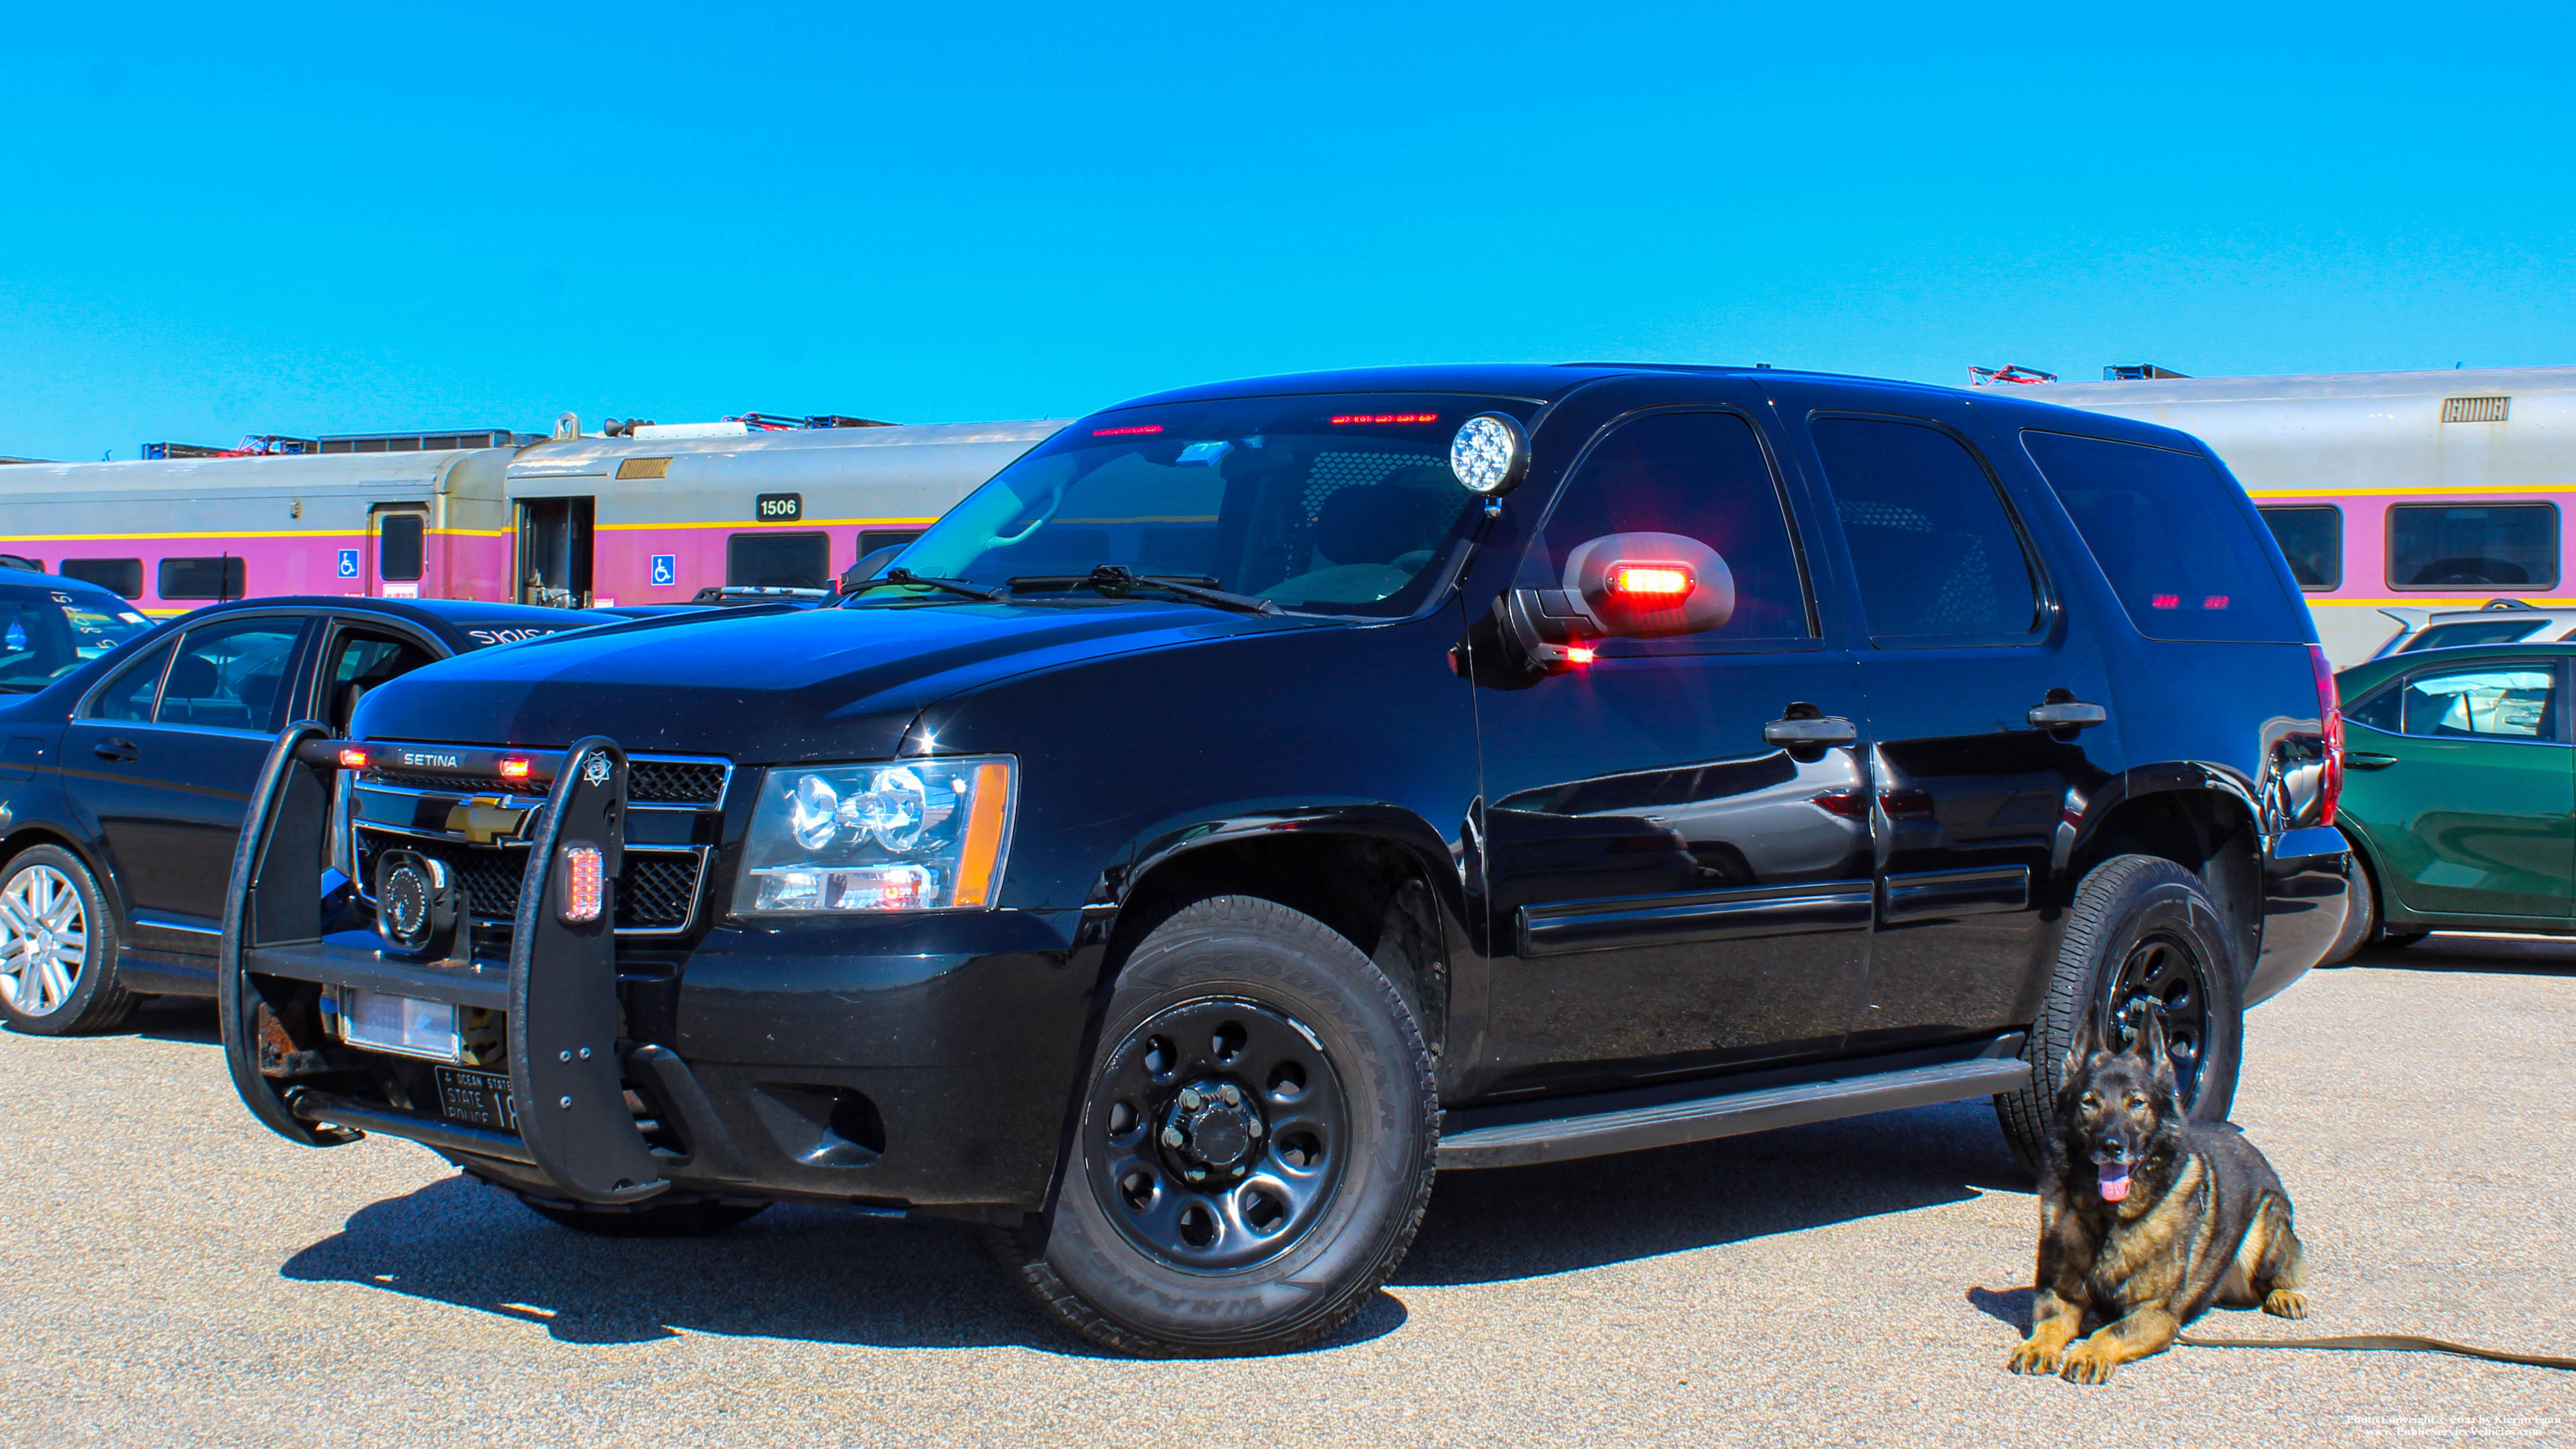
(2392, 1342)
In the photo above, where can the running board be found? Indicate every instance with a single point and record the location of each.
(1725, 1114)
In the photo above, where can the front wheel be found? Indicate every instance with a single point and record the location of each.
(1254, 1144)
(58, 947)
(2141, 935)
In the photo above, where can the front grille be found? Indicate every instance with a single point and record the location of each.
(648, 782)
(655, 891)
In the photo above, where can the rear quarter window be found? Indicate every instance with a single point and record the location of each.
(2175, 539)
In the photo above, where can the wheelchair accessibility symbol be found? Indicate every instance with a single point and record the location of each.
(348, 563)
(666, 570)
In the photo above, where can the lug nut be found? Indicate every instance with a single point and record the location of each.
(566, 1102)
(1190, 1098)
(567, 1056)
(1233, 1098)
(585, 1054)
(1196, 1174)
(1254, 1127)
(1171, 1137)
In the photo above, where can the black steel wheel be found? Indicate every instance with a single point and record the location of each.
(2141, 934)
(1253, 1145)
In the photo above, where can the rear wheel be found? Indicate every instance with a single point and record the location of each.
(1254, 1146)
(58, 942)
(2361, 915)
(2141, 935)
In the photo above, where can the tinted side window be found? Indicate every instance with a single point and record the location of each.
(128, 694)
(231, 676)
(1937, 556)
(2507, 702)
(2511, 545)
(2312, 540)
(202, 578)
(398, 550)
(779, 560)
(116, 575)
(1703, 476)
(2173, 539)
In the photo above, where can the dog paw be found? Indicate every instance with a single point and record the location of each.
(2033, 1357)
(2286, 1303)
(2085, 1364)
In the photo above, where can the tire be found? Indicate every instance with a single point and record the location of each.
(46, 986)
(2145, 914)
(2361, 918)
(1254, 1046)
(653, 1220)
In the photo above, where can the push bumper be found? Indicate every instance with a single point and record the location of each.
(2307, 890)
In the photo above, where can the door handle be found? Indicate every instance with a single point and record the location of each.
(1806, 725)
(121, 750)
(2366, 760)
(2067, 714)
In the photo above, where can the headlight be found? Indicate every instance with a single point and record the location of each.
(922, 835)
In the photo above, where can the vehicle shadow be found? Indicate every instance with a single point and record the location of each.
(2485, 955)
(186, 1019)
(1521, 1222)
(818, 1274)
(828, 1275)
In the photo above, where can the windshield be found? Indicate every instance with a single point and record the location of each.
(46, 633)
(1334, 504)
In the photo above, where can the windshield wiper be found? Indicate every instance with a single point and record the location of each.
(954, 586)
(1117, 581)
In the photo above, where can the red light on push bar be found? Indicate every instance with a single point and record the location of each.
(1126, 432)
(1342, 419)
(514, 768)
(2214, 601)
(1650, 581)
(352, 758)
(584, 883)
(2165, 601)
(1578, 654)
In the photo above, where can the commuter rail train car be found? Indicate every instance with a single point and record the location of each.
(649, 520)
(571, 523)
(172, 535)
(2393, 494)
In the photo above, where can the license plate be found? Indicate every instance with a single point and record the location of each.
(399, 1024)
(479, 1099)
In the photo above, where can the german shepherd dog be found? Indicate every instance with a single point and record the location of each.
(2147, 1217)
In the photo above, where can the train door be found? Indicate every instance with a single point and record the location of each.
(553, 565)
(397, 551)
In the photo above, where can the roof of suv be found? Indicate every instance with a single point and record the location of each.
(1538, 381)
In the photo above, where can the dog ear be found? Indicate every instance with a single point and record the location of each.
(2088, 1042)
(2150, 1044)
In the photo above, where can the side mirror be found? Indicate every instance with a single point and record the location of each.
(1623, 585)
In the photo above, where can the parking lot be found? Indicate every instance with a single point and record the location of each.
(171, 1273)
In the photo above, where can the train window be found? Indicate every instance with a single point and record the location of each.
(872, 539)
(2312, 540)
(779, 560)
(202, 578)
(2171, 534)
(2492, 545)
(398, 550)
(116, 575)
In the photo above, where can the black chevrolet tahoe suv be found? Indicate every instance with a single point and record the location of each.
(1260, 796)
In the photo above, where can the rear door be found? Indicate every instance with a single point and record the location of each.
(166, 771)
(2466, 781)
(1966, 635)
(1671, 892)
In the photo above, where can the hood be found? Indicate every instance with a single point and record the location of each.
(816, 684)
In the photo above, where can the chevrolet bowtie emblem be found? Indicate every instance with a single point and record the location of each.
(484, 820)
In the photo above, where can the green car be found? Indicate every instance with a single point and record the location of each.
(2459, 793)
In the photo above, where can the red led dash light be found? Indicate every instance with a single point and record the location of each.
(514, 768)
(1340, 419)
(2214, 601)
(352, 758)
(1126, 432)
(2165, 601)
(1658, 582)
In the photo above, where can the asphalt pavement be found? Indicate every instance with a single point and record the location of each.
(170, 1273)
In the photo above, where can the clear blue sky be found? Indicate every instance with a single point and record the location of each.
(352, 218)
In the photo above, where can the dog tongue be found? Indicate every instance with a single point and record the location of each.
(2115, 1180)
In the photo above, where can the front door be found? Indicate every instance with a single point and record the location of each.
(2463, 776)
(166, 773)
(1965, 638)
(1672, 892)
